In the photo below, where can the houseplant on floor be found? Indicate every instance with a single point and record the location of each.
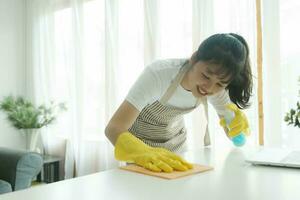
(28, 118)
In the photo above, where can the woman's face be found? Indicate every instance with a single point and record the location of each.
(202, 79)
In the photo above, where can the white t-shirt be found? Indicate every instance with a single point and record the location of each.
(155, 80)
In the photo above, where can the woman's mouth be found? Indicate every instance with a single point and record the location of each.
(201, 92)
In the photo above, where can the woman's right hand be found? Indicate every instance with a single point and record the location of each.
(131, 149)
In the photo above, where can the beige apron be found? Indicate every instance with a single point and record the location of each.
(161, 125)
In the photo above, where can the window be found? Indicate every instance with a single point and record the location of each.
(289, 65)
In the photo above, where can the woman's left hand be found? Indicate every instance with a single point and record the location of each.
(238, 124)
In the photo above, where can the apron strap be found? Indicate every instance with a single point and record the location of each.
(175, 82)
(207, 141)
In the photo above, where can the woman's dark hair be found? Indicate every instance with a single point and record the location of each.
(231, 53)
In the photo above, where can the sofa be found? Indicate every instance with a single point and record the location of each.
(18, 169)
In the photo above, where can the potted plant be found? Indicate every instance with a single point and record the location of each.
(293, 116)
(28, 118)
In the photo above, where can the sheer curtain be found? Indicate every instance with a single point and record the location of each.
(238, 17)
(289, 65)
(71, 58)
(88, 53)
(281, 70)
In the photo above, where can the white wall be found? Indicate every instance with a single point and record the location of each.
(12, 63)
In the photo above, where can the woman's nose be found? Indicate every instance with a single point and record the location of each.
(208, 86)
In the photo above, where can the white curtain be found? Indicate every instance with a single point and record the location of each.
(271, 73)
(238, 17)
(88, 53)
(281, 70)
(66, 63)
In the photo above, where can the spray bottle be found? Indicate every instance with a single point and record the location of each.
(239, 139)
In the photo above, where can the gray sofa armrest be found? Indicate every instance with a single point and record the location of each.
(19, 167)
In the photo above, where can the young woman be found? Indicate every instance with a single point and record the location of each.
(148, 127)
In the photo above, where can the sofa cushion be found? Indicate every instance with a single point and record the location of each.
(4, 187)
(28, 167)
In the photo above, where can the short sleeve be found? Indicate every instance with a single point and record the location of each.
(145, 90)
(219, 101)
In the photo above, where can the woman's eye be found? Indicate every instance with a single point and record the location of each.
(220, 85)
(205, 76)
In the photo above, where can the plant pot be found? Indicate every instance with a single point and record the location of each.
(32, 137)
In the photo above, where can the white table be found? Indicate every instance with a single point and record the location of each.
(231, 179)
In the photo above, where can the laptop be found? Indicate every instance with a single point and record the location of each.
(275, 157)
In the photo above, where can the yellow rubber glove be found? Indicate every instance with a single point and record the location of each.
(131, 149)
(238, 124)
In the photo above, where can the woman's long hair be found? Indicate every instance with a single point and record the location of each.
(231, 53)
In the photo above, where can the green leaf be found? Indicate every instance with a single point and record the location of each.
(23, 114)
